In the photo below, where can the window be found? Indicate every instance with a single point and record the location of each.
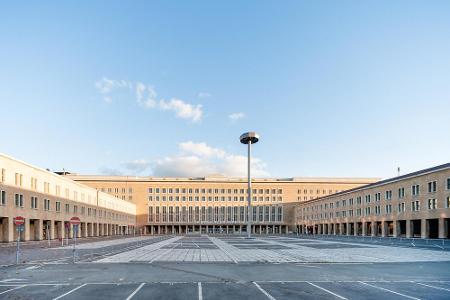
(58, 206)
(431, 203)
(2, 198)
(448, 183)
(18, 199)
(388, 195)
(34, 202)
(377, 196)
(367, 198)
(150, 190)
(415, 205)
(401, 207)
(367, 211)
(3, 176)
(401, 193)
(388, 208)
(46, 204)
(67, 208)
(415, 190)
(377, 210)
(75, 209)
(358, 200)
(432, 186)
(447, 203)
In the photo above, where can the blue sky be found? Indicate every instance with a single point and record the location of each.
(165, 88)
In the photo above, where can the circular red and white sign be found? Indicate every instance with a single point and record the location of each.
(75, 221)
(19, 220)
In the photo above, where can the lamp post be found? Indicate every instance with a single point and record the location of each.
(249, 138)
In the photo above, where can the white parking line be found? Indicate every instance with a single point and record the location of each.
(433, 287)
(390, 291)
(69, 292)
(325, 290)
(135, 291)
(200, 291)
(264, 291)
(16, 288)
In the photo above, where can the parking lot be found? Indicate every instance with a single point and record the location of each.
(231, 290)
(233, 267)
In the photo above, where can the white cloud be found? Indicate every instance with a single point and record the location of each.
(137, 166)
(201, 149)
(105, 86)
(199, 159)
(110, 171)
(182, 109)
(236, 116)
(204, 95)
(146, 97)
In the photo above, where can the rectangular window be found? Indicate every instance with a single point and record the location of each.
(401, 193)
(415, 205)
(447, 203)
(388, 195)
(388, 208)
(67, 208)
(3, 176)
(432, 186)
(58, 206)
(18, 200)
(401, 207)
(367, 198)
(46, 204)
(2, 197)
(358, 201)
(34, 202)
(415, 190)
(448, 183)
(377, 196)
(431, 203)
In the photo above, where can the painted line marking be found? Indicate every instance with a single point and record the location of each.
(33, 267)
(433, 287)
(387, 290)
(135, 291)
(325, 290)
(200, 291)
(16, 288)
(69, 292)
(264, 291)
(13, 279)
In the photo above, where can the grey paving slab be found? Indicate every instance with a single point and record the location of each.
(102, 291)
(167, 291)
(247, 291)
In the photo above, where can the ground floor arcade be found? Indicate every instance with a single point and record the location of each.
(213, 229)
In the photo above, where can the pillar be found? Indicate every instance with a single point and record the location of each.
(8, 229)
(395, 228)
(374, 228)
(408, 228)
(442, 228)
(364, 228)
(51, 229)
(355, 228)
(383, 228)
(26, 233)
(424, 229)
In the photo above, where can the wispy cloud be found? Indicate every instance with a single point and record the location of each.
(137, 166)
(204, 95)
(200, 159)
(236, 116)
(147, 97)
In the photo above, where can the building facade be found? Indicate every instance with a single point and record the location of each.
(216, 204)
(48, 201)
(412, 205)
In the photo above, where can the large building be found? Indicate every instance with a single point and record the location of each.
(412, 205)
(48, 201)
(216, 203)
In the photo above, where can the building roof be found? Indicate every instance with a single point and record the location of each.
(386, 181)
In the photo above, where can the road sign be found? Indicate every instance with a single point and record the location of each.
(19, 220)
(75, 221)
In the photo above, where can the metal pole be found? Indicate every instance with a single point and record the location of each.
(18, 242)
(249, 199)
(48, 235)
(75, 229)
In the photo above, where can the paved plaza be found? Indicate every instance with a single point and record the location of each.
(230, 267)
(270, 249)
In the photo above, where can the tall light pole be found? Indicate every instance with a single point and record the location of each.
(249, 138)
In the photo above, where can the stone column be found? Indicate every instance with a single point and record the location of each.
(395, 228)
(383, 228)
(408, 229)
(26, 233)
(424, 229)
(374, 228)
(8, 229)
(442, 228)
(364, 228)
(355, 229)
(51, 229)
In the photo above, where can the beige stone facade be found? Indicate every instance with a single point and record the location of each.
(47, 201)
(216, 203)
(412, 205)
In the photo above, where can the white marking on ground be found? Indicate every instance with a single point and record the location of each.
(70, 292)
(264, 291)
(15, 288)
(325, 290)
(135, 291)
(200, 291)
(387, 290)
(433, 287)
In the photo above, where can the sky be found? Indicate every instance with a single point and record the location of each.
(165, 88)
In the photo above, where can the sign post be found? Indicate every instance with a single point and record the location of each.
(75, 221)
(19, 222)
